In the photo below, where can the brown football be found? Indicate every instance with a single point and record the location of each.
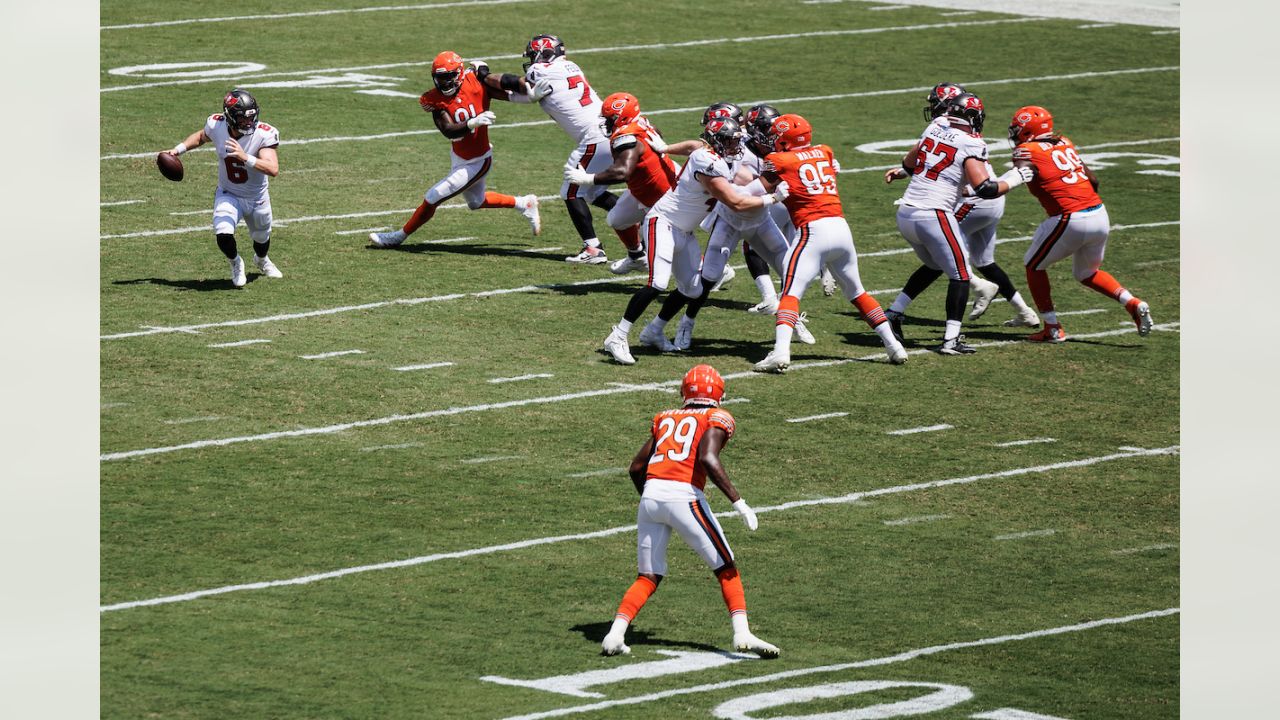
(170, 166)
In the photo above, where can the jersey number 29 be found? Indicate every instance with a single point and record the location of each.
(681, 433)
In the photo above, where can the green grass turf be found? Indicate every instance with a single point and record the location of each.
(828, 583)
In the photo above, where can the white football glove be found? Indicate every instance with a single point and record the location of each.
(1017, 176)
(485, 118)
(782, 191)
(1027, 174)
(747, 514)
(577, 176)
(540, 90)
(656, 142)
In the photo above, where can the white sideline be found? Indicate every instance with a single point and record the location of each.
(613, 390)
(159, 329)
(310, 13)
(700, 108)
(578, 51)
(533, 542)
(874, 662)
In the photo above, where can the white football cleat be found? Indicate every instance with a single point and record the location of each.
(387, 239)
(802, 331)
(983, 292)
(588, 256)
(652, 337)
(266, 267)
(684, 334)
(897, 354)
(617, 346)
(729, 274)
(627, 264)
(828, 284)
(614, 645)
(765, 307)
(238, 278)
(530, 212)
(773, 362)
(1141, 314)
(746, 642)
(1026, 317)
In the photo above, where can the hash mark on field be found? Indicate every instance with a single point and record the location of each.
(1165, 32)
(1145, 548)
(335, 353)
(108, 406)
(1031, 441)
(398, 446)
(239, 343)
(119, 202)
(1013, 714)
(1095, 26)
(544, 249)
(184, 421)
(358, 231)
(424, 366)
(650, 386)
(731, 401)
(518, 378)
(598, 473)
(823, 416)
(492, 458)
(157, 328)
(917, 519)
(206, 211)
(388, 93)
(1152, 263)
(923, 429)
(1083, 312)
(1027, 534)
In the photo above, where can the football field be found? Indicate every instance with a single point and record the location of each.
(392, 483)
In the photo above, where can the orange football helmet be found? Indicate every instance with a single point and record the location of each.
(791, 132)
(702, 385)
(619, 110)
(446, 72)
(1029, 123)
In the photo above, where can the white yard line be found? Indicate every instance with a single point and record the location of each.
(108, 406)
(607, 532)
(119, 202)
(335, 353)
(491, 458)
(734, 401)
(424, 366)
(311, 13)
(185, 421)
(398, 446)
(598, 473)
(1093, 311)
(447, 412)
(184, 213)
(1027, 534)
(519, 378)
(700, 108)
(917, 519)
(923, 429)
(824, 416)
(361, 231)
(542, 249)
(1145, 548)
(239, 343)
(1031, 441)
(1153, 263)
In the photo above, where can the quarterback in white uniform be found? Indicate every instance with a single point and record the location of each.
(668, 233)
(246, 151)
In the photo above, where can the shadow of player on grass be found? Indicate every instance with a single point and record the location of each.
(202, 285)
(468, 249)
(595, 633)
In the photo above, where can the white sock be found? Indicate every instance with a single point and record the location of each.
(900, 303)
(952, 331)
(625, 326)
(1125, 296)
(688, 321)
(886, 335)
(620, 626)
(592, 242)
(1018, 302)
(764, 284)
(740, 625)
(1050, 318)
(782, 339)
(522, 202)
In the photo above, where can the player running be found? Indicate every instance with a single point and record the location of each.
(459, 104)
(670, 472)
(638, 160)
(1077, 225)
(668, 233)
(247, 156)
(978, 218)
(805, 174)
(947, 156)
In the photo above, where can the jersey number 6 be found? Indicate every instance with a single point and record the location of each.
(236, 171)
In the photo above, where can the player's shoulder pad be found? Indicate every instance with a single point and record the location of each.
(213, 121)
(723, 419)
(622, 139)
(430, 100)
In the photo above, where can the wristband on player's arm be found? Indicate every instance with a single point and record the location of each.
(251, 161)
(179, 148)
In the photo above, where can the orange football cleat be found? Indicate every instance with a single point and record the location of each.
(1050, 334)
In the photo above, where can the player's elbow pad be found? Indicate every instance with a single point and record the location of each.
(988, 190)
(509, 82)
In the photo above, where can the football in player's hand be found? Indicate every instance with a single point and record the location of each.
(170, 166)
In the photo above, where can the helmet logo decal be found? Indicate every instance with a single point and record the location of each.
(618, 104)
(1024, 118)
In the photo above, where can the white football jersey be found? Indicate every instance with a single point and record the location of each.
(939, 175)
(742, 219)
(966, 193)
(573, 103)
(687, 203)
(234, 176)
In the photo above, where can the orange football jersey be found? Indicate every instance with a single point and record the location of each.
(811, 176)
(676, 435)
(1060, 183)
(654, 173)
(471, 99)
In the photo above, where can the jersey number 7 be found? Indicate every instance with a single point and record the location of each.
(577, 80)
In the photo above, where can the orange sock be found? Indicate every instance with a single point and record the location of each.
(420, 217)
(630, 237)
(788, 310)
(870, 309)
(637, 595)
(731, 588)
(1038, 282)
(498, 200)
(1103, 283)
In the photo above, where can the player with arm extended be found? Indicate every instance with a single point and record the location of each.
(947, 156)
(670, 472)
(806, 173)
(978, 218)
(459, 105)
(1077, 225)
(247, 156)
(638, 160)
(668, 234)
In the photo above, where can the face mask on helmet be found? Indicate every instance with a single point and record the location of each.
(759, 119)
(447, 81)
(724, 135)
(241, 112)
